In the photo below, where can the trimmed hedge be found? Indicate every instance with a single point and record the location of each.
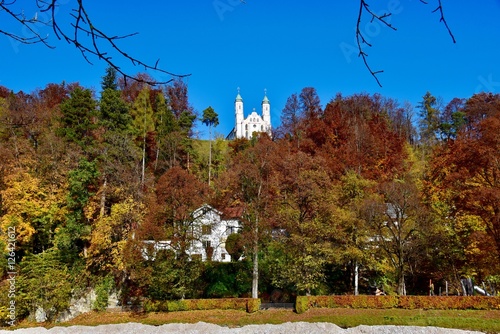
(245, 304)
(303, 303)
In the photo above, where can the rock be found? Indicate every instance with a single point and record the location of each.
(40, 315)
(78, 306)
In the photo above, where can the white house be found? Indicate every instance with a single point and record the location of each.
(253, 123)
(208, 234)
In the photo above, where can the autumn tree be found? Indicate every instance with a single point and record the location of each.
(304, 213)
(143, 123)
(249, 186)
(350, 194)
(210, 118)
(291, 115)
(178, 194)
(468, 167)
(310, 103)
(357, 135)
(395, 219)
(109, 237)
(29, 205)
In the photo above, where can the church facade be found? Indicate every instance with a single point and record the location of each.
(253, 123)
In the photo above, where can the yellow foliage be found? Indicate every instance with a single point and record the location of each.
(25, 200)
(110, 234)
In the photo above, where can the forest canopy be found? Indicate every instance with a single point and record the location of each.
(341, 199)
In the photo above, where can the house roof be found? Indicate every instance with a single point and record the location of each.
(204, 209)
(234, 212)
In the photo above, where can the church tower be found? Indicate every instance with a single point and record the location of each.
(266, 113)
(253, 123)
(238, 110)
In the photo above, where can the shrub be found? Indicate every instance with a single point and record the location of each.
(405, 302)
(102, 290)
(248, 304)
(253, 305)
(301, 304)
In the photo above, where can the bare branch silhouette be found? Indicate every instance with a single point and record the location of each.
(442, 19)
(361, 41)
(84, 35)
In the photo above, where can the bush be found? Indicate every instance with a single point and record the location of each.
(301, 304)
(102, 290)
(244, 304)
(253, 305)
(405, 302)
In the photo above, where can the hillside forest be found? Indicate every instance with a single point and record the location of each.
(364, 192)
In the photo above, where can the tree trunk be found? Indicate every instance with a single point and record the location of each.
(210, 156)
(143, 159)
(103, 198)
(401, 284)
(255, 271)
(356, 277)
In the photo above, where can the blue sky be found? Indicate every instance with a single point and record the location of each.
(281, 46)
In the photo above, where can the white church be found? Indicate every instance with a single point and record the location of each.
(254, 123)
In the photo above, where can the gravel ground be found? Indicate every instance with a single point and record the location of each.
(205, 328)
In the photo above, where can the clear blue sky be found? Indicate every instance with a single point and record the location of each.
(281, 46)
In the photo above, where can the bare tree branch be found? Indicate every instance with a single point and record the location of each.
(442, 19)
(84, 35)
(29, 24)
(360, 39)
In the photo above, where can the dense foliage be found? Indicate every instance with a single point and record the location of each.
(342, 199)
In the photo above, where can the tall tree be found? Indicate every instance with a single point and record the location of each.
(77, 121)
(291, 115)
(429, 119)
(72, 238)
(249, 177)
(452, 119)
(305, 212)
(210, 118)
(310, 103)
(178, 194)
(143, 123)
(395, 219)
(177, 94)
(113, 111)
(109, 80)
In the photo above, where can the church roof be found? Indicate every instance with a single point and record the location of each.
(238, 97)
(265, 100)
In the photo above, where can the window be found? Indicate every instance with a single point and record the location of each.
(223, 256)
(231, 230)
(206, 230)
(207, 244)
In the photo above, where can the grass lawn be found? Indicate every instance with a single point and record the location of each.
(485, 321)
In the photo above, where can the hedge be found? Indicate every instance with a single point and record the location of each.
(303, 303)
(245, 304)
